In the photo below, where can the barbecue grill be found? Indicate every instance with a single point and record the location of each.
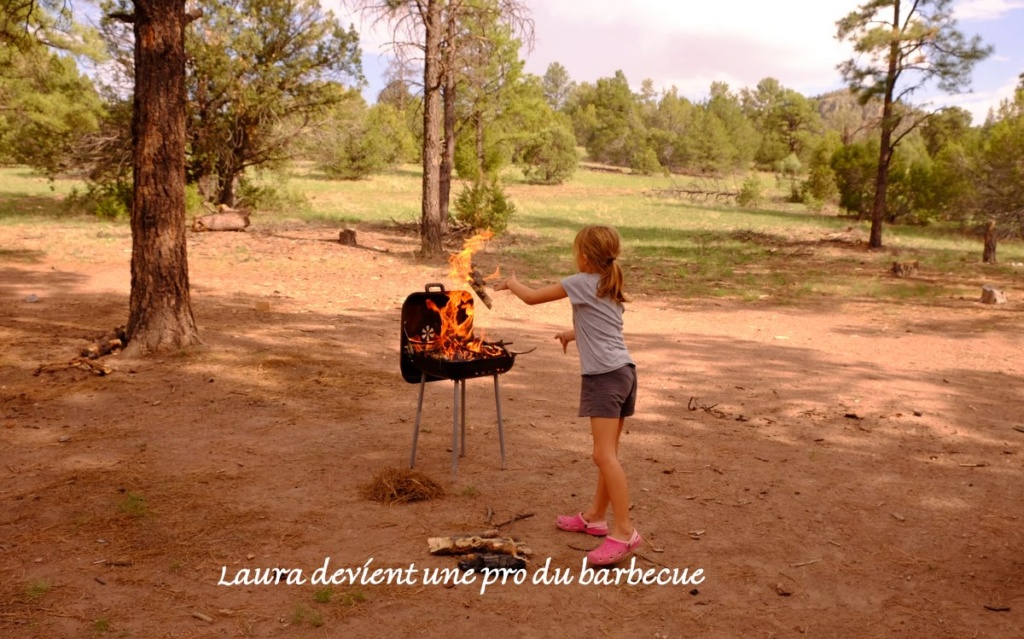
(422, 360)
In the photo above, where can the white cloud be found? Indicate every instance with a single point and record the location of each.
(691, 43)
(687, 44)
(986, 9)
(979, 103)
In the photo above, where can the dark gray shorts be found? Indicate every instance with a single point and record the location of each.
(611, 394)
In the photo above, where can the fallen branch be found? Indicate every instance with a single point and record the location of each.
(78, 362)
(518, 517)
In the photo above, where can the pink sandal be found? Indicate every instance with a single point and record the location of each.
(612, 550)
(576, 523)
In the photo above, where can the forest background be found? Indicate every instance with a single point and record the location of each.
(276, 87)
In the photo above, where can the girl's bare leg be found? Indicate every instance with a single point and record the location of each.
(612, 488)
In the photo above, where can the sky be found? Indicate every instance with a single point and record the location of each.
(689, 44)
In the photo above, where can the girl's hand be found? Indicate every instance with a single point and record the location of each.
(503, 284)
(565, 337)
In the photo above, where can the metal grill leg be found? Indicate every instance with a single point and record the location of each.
(455, 431)
(462, 383)
(416, 427)
(501, 428)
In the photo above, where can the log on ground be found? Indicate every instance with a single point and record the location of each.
(466, 545)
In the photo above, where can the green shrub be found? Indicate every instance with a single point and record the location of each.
(751, 193)
(645, 162)
(549, 157)
(107, 200)
(365, 143)
(855, 166)
(484, 206)
(193, 200)
(266, 194)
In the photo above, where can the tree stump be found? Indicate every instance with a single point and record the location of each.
(904, 269)
(347, 237)
(992, 295)
(988, 256)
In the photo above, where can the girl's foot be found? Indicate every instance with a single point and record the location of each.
(613, 550)
(576, 523)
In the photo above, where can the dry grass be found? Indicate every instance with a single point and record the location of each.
(401, 485)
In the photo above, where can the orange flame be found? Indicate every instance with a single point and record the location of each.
(462, 262)
(455, 336)
(456, 340)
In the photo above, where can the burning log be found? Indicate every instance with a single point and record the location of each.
(479, 286)
(464, 271)
(475, 543)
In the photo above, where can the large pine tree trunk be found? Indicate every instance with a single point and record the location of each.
(448, 153)
(886, 150)
(881, 188)
(160, 310)
(431, 224)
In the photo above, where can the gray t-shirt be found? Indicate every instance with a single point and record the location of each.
(598, 324)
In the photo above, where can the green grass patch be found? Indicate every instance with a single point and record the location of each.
(133, 505)
(304, 615)
(25, 195)
(35, 590)
(323, 595)
(352, 597)
(101, 626)
(674, 246)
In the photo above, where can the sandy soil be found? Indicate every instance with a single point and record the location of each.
(834, 469)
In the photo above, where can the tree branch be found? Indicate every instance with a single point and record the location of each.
(122, 16)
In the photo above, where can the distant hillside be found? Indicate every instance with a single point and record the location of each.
(841, 111)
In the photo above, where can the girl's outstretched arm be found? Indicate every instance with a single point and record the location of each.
(530, 295)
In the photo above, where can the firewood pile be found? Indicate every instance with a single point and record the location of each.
(111, 342)
(87, 360)
(484, 551)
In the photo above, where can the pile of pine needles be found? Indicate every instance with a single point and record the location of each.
(401, 485)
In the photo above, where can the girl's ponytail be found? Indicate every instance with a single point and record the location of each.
(600, 246)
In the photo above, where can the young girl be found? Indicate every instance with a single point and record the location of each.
(608, 388)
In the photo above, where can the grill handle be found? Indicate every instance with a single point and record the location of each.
(435, 285)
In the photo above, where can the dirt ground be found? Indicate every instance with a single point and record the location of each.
(835, 469)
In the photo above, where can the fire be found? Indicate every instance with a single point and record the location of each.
(461, 263)
(455, 336)
(456, 340)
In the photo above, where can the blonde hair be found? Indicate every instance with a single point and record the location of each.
(600, 246)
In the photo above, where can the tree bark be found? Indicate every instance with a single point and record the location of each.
(988, 256)
(481, 159)
(448, 153)
(885, 148)
(160, 309)
(431, 224)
